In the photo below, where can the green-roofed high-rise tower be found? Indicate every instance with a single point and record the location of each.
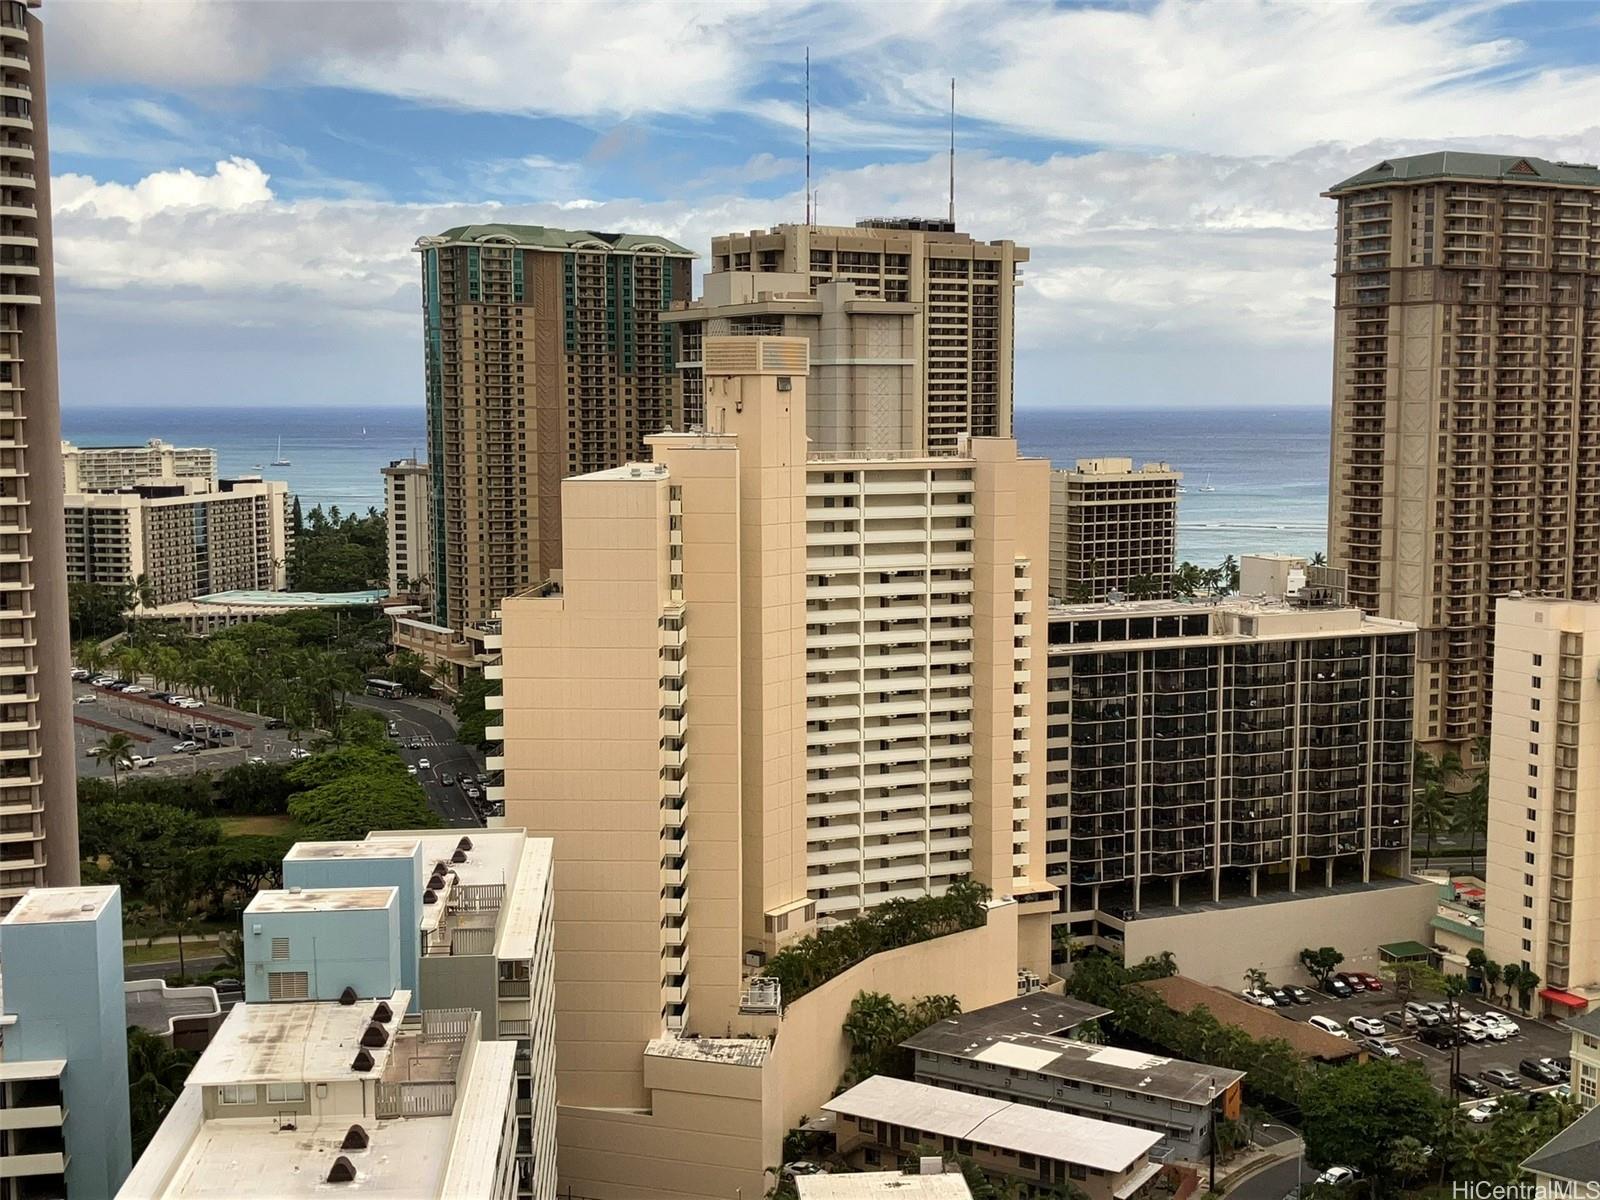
(544, 358)
(1466, 408)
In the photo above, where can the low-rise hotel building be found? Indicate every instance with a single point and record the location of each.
(882, 1120)
(107, 468)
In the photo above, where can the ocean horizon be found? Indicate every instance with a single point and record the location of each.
(1267, 469)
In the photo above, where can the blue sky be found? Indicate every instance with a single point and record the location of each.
(238, 184)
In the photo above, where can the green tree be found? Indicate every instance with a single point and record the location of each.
(1254, 979)
(1472, 812)
(1491, 977)
(1431, 805)
(472, 718)
(141, 840)
(1409, 1158)
(156, 1075)
(1187, 580)
(1319, 559)
(876, 1025)
(1511, 976)
(94, 610)
(1527, 983)
(1143, 587)
(88, 655)
(255, 789)
(115, 749)
(1321, 963)
(1356, 1114)
(352, 806)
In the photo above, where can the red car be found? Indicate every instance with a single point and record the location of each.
(1371, 982)
(1351, 980)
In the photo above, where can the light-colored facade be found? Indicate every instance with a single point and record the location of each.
(1585, 1055)
(1217, 752)
(545, 357)
(1113, 526)
(1542, 879)
(183, 542)
(38, 801)
(864, 389)
(1466, 405)
(765, 691)
(408, 505)
(883, 1119)
(473, 926)
(64, 1123)
(106, 468)
(963, 295)
(308, 1098)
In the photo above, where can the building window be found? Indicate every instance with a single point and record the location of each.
(1527, 902)
(1533, 814)
(1533, 747)
(1538, 682)
(1535, 704)
(1538, 660)
(237, 1094)
(1526, 944)
(1527, 922)
(1533, 794)
(285, 1093)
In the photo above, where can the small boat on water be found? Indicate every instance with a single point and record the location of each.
(1206, 486)
(281, 461)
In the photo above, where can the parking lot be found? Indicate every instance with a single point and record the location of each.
(1537, 1039)
(225, 737)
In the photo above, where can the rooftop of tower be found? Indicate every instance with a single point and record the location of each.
(1459, 164)
(543, 237)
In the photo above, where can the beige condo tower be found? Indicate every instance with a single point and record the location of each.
(1543, 864)
(1466, 405)
(1113, 527)
(767, 690)
(961, 297)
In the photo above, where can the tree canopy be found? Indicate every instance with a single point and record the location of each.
(1354, 1114)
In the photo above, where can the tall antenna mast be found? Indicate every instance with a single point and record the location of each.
(808, 137)
(952, 150)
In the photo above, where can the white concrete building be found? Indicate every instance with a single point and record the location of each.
(106, 468)
(408, 505)
(308, 1098)
(185, 540)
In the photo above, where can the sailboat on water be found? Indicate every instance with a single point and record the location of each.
(1206, 486)
(281, 461)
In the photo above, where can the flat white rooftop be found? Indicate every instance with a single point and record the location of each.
(487, 857)
(305, 1042)
(295, 900)
(389, 847)
(44, 905)
(883, 1185)
(1022, 1128)
(735, 1052)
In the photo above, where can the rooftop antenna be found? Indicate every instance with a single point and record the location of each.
(808, 137)
(952, 150)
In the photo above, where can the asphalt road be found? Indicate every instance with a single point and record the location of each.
(420, 721)
(194, 965)
(1274, 1182)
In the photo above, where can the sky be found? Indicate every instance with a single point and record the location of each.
(237, 186)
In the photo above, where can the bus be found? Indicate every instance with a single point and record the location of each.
(386, 688)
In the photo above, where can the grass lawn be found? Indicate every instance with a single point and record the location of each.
(193, 947)
(280, 823)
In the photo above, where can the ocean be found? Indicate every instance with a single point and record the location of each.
(1268, 468)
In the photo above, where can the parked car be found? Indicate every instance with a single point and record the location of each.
(1399, 1018)
(1472, 1031)
(1353, 982)
(1469, 1086)
(1378, 1047)
(79, 673)
(139, 760)
(1483, 1111)
(472, 793)
(275, 723)
(1261, 998)
(1337, 987)
(1327, 1025)
(1429, 1020)
(447, 779)
(162, 696)
(1502, 1021)
(119, 686)
(1338, 1177)
(187, 746)
(1492, 1030)
(1439, 1036)
(134, 689)
(483, 778)
(1370, 981)
(1502, 1078)
(86, 698)
(255, 760)
(1561, 1066)
(1280, 996)
(299, 752)
(1538, 1069)
(103, 680)
(1368, 1025)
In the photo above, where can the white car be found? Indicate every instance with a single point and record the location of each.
(139, 760)
(1337, 1177)
(1327, 1025)
(86, 698)
(185, 747)
(1368, 1025)
(133, 689)
(1483, 1111)
(299, 752)
(410, 770)
(1501, 1021)
(255, 760)
(423, 765)
(79, 673)
(1473, 1031)
(103, 680)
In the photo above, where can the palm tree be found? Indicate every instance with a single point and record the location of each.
(117, 749)
(130, 662)
(89, 655)
(156, 1074)
(1230, 573)
(1319, 559)
(1143, 587)
(1472, 813)
(1431, 804)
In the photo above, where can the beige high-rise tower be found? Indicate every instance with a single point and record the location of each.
(962, 307)
(768, 690)
(544, 358)
(1466, 405)
(38, 802)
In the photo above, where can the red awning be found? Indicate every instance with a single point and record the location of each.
(1565, 999)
